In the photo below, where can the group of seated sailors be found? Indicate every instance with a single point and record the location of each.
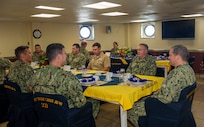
(52, 79)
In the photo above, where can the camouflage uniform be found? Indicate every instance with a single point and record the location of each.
(76, 61)
(20, 73)
(85, 53)
(179, 78)
(145, 66)
(99, 62)
(36, 55)
(4, 63)
(53, 80)
(114, 51)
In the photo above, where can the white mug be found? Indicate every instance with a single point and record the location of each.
(96, 77)
(109, 74)
(108, 78)
(125, 78)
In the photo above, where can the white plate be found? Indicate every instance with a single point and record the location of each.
(87, 75)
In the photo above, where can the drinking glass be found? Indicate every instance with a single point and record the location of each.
(83, 70)
(122, 71)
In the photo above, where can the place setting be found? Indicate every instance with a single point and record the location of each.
(96, 80)
(132, 80)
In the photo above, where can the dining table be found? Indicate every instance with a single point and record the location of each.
(124, 93)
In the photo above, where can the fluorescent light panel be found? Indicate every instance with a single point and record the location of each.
(45, 15)
(192, 15)
(114, 14)
(102, 5)
(50, 8)
(142, 20)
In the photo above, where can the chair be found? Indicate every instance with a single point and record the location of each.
(116, 64)
(52, 111)
(4, 104)
(160, 72)
(191, 61)
(21, 109)
(175, 114)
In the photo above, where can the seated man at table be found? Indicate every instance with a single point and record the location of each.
(143, 63)
(21, 71)
(84, 51)
(54, 80)
(76, 59)
(37, 52)
(100, 61)
(179, 78)
(4, 63)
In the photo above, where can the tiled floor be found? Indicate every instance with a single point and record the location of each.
(109, 113)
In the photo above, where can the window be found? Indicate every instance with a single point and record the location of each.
(86, 32)
(148, 30)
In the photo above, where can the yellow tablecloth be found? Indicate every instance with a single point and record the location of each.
(124, 95)
(165, 63)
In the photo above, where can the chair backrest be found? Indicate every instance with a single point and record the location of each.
(51, 109)
(21, 111)
(160, 72)
(116, 64)
(15, 96)
(188, 93)
(4, 104)
(191, 61)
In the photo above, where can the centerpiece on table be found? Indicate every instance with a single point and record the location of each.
(43, 59)
(124, 52)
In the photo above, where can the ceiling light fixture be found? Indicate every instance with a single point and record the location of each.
(45, 15)
(114, 14)
(102, 5)
(141, 20)
(192, 15)
(50, 8)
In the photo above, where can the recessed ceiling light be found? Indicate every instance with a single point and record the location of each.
(102, 5)
(142, 20)
(45, 15)
(192, 15)
(50, 8)
(114, 14)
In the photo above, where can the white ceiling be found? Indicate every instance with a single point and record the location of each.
(20, 10)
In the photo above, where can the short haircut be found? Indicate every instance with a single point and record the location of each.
(116, 43)
(53, 50)
(37, 45)
(181, 51)
(97, 44)
(145, 45)
(76, 45)
(19, 50)
(83, 43)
